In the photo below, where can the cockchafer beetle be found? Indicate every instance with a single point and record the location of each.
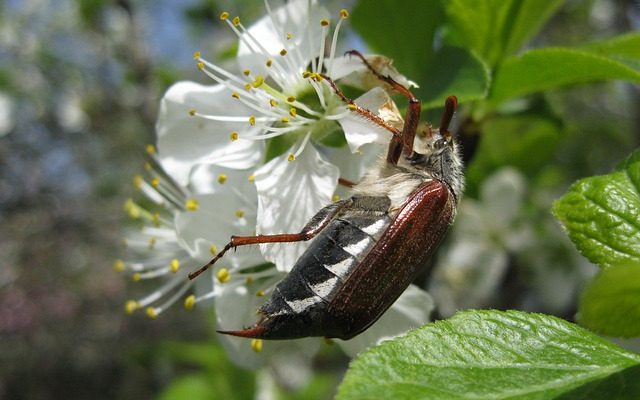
(370, 247)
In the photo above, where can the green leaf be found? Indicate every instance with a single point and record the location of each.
(494, 355)
(196, 386)
(610, 304)
(601, 214)
(544, 69)
(496, 28)
(457, 72)
(403, 31)
(527, 142)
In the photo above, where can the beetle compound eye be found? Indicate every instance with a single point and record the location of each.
(439, 144)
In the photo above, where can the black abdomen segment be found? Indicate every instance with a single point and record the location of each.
(298, 304)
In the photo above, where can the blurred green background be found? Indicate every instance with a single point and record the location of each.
(80, 83)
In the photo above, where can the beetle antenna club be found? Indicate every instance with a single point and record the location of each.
(370, 247)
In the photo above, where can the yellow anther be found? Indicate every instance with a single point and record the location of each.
(174, 265)
(246, 72)
(131, 306)
(324, 22)
(200, 66)
(136, 277)
(151, 149)
(256, 345)
(273, 103)
(260, 293)
(335, 198)
(192, 112)
(269, 62)
(196, 55)
(223, 275)
(352, 106)
(317, 77)
(192, 204)
(247, 87)
(291, 157)
(189, 302)
(283, 52)
(252, 178)
(147, 166)
(289, 36)
(291, 99)
(235, 95)
(306, 74)
(156, 219)
(224, 16)
(344, 14)
(213, 249)
(118, 265)
(152, 312)
(222, 178)
(235, 21)
(155, 182)
(293, 112)
(252, 120)
(239, 213)
(137, 181)
(248, 280)
(258, 81)
(284, 120)
(152, 244)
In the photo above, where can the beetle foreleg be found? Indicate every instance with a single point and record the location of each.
(412, 117)
(310, 230)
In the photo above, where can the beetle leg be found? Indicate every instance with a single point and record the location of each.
(412, 117)
(313, 227)
(368, 114)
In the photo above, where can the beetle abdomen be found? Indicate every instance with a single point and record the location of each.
(297, 307)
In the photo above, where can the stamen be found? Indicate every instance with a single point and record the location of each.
(251, 178)
(291, 157)
(248, 280)
(189, 302)
(258, 81)
(213, 249)
(273, 103)
(246, 72)
(236, 21)
(335, 198)
(289, 36)
(344, 14)
(223, 275)
(174, 265)
(118, 265)
(269, 63)
(196, 55)
(224, 16)
(152, 312)
(252, 120)
(256, 345)
(239, 213)
(131, 306)
(293, 112)
(137, 181)
(324, 22)
(192, 205)
(151, 149)
(233, 136)
(283, 52)
(192, 112)
(260, 293)
(155, 182)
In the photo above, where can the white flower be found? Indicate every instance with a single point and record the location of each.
(486, 230)
(210, 181)
(279, 98)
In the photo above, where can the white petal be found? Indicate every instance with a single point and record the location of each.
(294, 18)
(359, 131)
(214, 222)
(185, 140)
(353, 72)
(236, 309)
(502, 194)
(412, 310)
(468, 276)
(289, 194)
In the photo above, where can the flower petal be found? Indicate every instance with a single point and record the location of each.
(289, 194)
(294, 19)
(218, 216)
(352, 71)
(185, 140)
(502, 195)
(359, 130)
(412, 310)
